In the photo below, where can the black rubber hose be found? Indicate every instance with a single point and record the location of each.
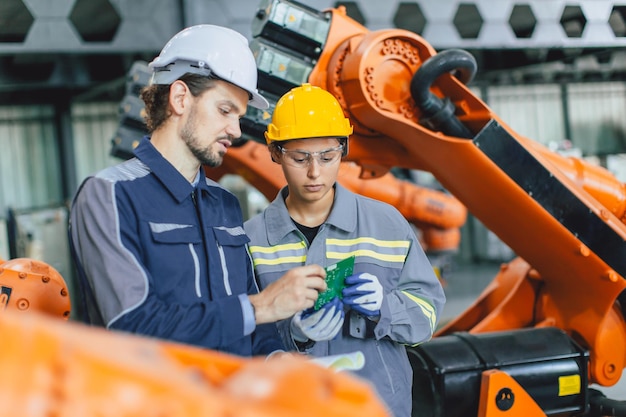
(439, 114)
(601, 406)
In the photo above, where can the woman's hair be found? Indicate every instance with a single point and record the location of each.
(156, 98)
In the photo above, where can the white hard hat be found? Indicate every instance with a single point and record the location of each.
(206, 50)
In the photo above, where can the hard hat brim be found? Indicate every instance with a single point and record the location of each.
(178, 69)
(258, 101)
(209, 49)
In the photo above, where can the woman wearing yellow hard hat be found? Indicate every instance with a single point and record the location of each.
(389, 296)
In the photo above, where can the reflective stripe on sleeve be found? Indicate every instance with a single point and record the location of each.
(427, 309)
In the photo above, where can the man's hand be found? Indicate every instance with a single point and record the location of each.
(323, 324)
(363, 293)
(295, 291)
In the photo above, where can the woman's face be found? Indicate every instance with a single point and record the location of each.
(311, 167)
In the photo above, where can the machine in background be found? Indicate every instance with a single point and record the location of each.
(551, 322)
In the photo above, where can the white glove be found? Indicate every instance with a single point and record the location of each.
(323, 324)
(363, 293)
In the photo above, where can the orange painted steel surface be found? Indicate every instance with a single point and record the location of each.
(52, 367)
(501, 395)
(30, 285)
(558, 280)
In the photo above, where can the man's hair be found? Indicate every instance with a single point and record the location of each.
(156, 98)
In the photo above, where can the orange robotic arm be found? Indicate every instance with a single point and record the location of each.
(30, 285)
(65, 369)
(505, 180)
(565, 219)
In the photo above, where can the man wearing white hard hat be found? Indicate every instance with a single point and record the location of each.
(160, 248)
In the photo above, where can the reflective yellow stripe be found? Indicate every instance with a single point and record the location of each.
(377, 242)
(427, 309)
(391, 251)
(290, 253)
(366, 252)
(277, 248)
(278, 261)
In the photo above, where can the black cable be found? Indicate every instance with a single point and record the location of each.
(438, 113)
(601, 406)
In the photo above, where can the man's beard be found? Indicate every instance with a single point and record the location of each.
(203, 154)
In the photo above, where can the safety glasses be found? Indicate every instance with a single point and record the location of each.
(303, 159)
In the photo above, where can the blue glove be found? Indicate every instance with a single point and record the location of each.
(323, 324)
(363, 293)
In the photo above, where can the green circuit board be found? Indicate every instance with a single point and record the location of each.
(336, 275)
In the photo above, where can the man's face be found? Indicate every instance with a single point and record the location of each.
(213, 122)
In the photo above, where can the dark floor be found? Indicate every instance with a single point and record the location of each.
(463, 283)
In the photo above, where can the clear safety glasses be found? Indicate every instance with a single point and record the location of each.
(303, 159)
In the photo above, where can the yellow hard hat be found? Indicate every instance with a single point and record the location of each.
(307, 112)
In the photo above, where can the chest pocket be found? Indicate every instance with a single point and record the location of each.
(231, 248)
(179, 233)
(174, 242)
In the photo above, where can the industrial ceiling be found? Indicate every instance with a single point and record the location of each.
(63, 50)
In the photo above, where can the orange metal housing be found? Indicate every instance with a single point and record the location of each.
(31, 285)
(571, 266)
(52, 367)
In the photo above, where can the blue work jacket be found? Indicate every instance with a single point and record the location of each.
(160, 257)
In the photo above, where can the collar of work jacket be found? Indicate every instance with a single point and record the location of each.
(342, 215)
(173, 181)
